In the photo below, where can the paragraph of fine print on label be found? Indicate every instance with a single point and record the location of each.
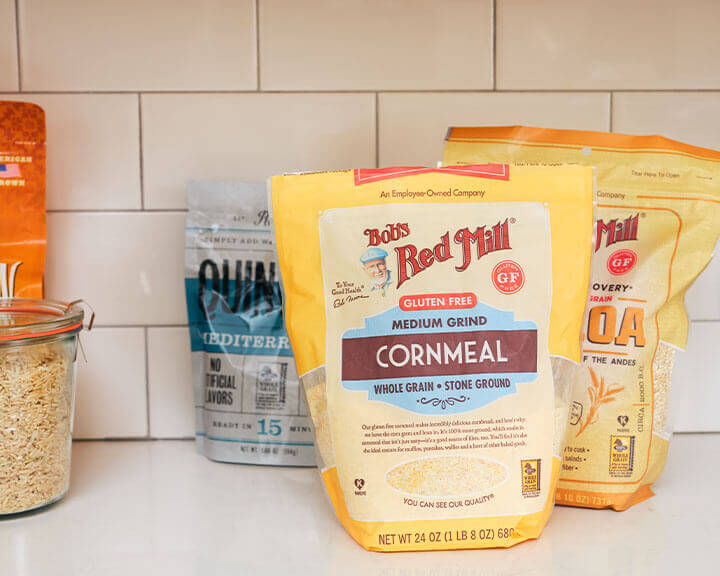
(428, 436)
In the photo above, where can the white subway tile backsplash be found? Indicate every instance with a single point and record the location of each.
(127, 266)
(696, 381)
(141, 97)
(138, 45)
(8, 47)
(412, 126)
(702, 299)
(584, 44)
(692, 117)
(375, 45)
(249, 137)
(170, 383)
(111, 387)
(93, 150)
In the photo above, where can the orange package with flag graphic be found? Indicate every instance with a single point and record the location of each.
(22, 198)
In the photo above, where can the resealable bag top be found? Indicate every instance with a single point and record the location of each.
(22, 200)
(432, 312)
(658, 219)
(248, 406)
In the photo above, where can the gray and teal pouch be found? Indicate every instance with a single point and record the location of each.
(248, 406)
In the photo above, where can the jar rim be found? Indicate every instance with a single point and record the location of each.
(24, 318)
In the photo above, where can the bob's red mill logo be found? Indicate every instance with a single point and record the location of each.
(616, 231)
(411, 260)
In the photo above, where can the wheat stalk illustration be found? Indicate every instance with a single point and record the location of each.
(599, 394)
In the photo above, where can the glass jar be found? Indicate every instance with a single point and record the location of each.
(38, 350)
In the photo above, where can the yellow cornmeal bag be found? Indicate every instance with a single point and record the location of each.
(658, 218)
(427, 309)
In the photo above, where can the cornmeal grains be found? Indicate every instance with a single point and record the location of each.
(658, 220)
(316, 396)
(429, 310)
(446, 476)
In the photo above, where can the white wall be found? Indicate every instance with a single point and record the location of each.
(142, 95)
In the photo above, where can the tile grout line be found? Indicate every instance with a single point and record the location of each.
(147, 383)
(388, 90)
(185, 325)
(493, 32)
(612, 96)
(17, 43)
(117, 211)
(135, 326)
(140, 153)
(191, 438)
(137, 439)
(258, 79)
(377, 130)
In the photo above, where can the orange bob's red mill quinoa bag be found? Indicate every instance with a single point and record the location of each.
(658, 218)
(428, 310)
(22, 200)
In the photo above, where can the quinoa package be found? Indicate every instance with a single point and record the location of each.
(658, 218)
(248, 406)
(428, 309)
(22, 200)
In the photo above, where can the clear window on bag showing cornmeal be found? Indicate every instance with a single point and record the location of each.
(441, 476)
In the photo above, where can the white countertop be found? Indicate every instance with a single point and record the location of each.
(158, 508)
